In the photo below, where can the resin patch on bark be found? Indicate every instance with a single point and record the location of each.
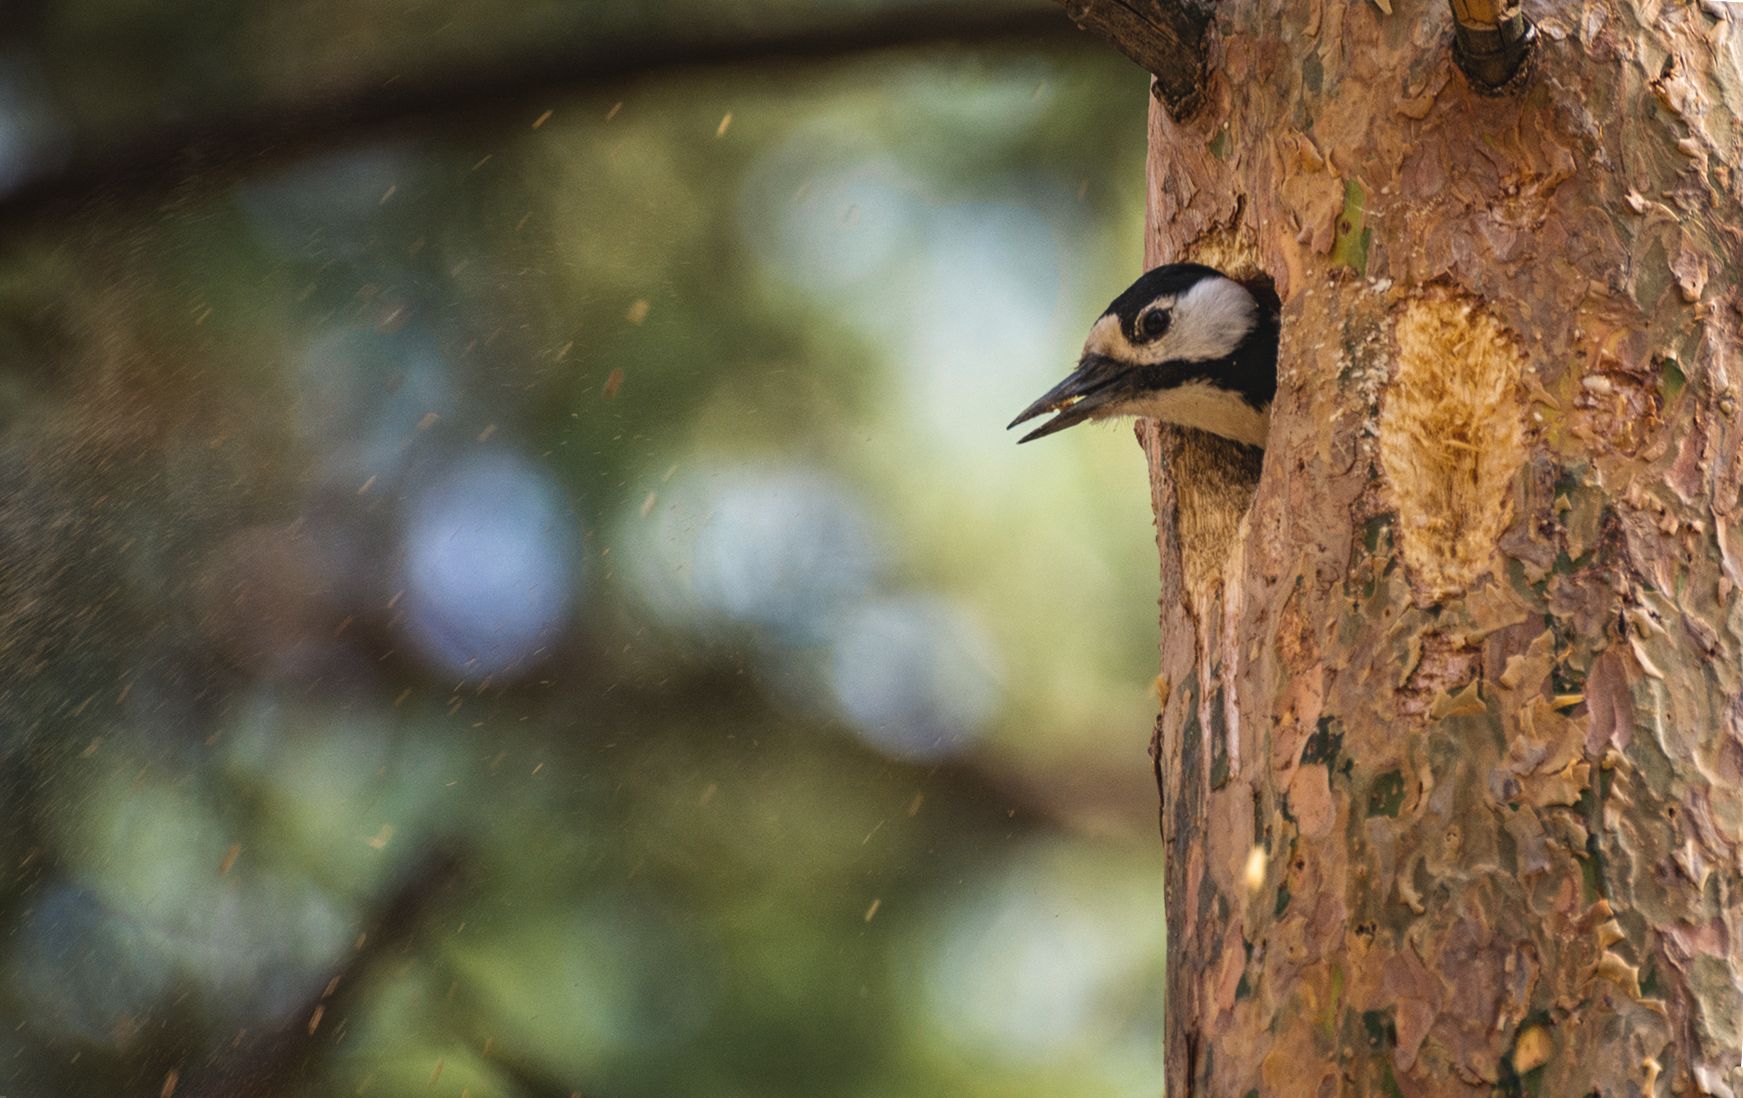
(1452, 438)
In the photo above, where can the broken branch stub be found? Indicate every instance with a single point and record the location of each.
(1166, 37)
(1492, 43)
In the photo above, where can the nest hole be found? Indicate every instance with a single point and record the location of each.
(1215, 479)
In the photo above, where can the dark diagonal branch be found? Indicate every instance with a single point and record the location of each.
(150, 164)
(1167, 37)
(279, 1061)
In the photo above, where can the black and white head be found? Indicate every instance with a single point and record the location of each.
(1185, 344)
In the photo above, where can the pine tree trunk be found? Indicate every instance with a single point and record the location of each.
(1451, 750)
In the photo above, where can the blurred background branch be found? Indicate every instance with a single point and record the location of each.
(142, 166)
(263, 1063)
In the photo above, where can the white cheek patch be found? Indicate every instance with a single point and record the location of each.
(1209, 322)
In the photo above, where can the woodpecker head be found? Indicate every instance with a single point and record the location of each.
(1185, 344)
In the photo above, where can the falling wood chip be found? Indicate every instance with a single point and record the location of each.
(1255, 872)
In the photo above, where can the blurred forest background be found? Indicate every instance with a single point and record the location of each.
(514, 579)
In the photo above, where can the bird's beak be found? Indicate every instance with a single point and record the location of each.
(1087, 390)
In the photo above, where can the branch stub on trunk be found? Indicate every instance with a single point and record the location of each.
(1493, 44)
(1166, 37)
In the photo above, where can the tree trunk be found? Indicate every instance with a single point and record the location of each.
(1451, 750)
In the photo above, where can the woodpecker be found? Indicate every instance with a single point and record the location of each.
(1185, 344)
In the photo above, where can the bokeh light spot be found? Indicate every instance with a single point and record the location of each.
(914, 676)
(490, 567)
(780, 551)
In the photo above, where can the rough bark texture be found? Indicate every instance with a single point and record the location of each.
(1452, 746)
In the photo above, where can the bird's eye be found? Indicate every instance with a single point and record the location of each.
(1153, 324)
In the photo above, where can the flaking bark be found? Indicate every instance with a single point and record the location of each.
(1452, 744)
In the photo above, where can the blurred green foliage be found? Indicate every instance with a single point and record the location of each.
(547, 605)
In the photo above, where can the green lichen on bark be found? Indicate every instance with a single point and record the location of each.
(1350, 245)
